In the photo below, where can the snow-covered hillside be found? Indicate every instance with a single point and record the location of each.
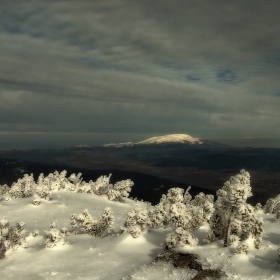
(165, 139)
(171, 138)
(119, 256)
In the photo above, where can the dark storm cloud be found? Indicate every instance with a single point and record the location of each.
(116, 66)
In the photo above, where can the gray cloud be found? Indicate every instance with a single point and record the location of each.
(116, 68)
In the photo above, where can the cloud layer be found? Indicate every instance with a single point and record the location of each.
(115, 69)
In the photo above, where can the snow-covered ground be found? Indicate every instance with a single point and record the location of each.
(120, 256)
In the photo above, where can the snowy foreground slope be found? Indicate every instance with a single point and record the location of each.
(120, 256)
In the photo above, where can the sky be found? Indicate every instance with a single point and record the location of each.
(94, 72)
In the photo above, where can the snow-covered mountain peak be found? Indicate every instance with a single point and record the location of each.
(165, 139)
(172, 138)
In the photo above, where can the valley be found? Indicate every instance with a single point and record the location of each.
(155, 167)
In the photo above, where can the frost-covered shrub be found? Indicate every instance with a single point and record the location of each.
(54, 237)
(4, 228)
(35, 233)
(138, 221)
(64, 231)
(36, 200)
(176, 210)
(85, 187)
(258, 207)
(233, 219)
(23, 187)
(4, 189)
(120, 189)
(184, 216)
(43, 188)
(46, 185)
(74, 182)
(179, 238)
(17, 236)
(102, 186)
(206, 203)
(242, 248)
(2, 248)
(158, 215)
(85, 223)
(272, 206)
(61, 178)
(269, 206)
(43, 191)
(13, 237)
(53, 182)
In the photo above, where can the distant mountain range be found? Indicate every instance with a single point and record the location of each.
(177, 158)
(146, 187)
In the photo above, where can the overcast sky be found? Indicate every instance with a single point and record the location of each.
(92, 72)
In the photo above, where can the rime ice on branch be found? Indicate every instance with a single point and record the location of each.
(233, 219)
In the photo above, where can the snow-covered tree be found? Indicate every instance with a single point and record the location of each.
(85, 223)
(233, 219)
